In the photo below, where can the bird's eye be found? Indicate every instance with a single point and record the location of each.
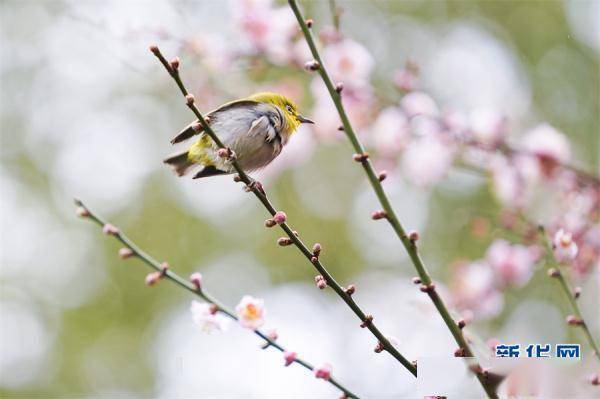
(288, 107)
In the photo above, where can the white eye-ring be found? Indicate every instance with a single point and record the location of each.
(288, 107)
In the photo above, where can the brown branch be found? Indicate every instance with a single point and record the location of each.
(292, 237)
(199, 291)
(388, 212)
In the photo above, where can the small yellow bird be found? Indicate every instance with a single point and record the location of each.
(255, 128)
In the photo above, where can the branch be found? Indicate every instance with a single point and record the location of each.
(388, 212)
(84, 211)
(576, 319)
(292, 236)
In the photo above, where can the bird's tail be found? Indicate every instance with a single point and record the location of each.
(180, 163)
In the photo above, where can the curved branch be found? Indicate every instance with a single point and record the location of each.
(200, 292)
(257, 189)
(388, 212)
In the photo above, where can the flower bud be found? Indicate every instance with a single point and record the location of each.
(367, 321)
(82, 212)
(316, 250)
(279, 217)
(461, 324)
(360, 157)
(164, 267)
(284, 241)
(320, 282)
(323, 372)
(377, 215)
(309, 23)
(174, 63)
(351, 289)
(553, 272)
(427, 288)
(223, 152)
(109, 229)
(312, 65)
(272, 335)
(213, 308)
(341, 128)
(154, 49)
(416, 280)
(573, 320)
(196, 279)
(382, 175)
(125, 253)
(576, 292)
(197, 126)
(270, 223)
(379, 347)
(237, 178)
(153, 278)
(190, 99)
(289, 357)
(459, 352)
(339, 86)
(413, 236)
(594, 379)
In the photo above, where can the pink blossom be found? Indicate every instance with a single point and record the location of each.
(427, 160)
(390, 132)
(565, 249)
(196, 279)
(405, 79)
(513, 263)
(289, 357)
(348, 61)
(473, 290)
(419, 103)
(547, 143)
(487, 126)
(251, 312)
(266, 29)
(514, 180)
(207, 319)
(323, 371)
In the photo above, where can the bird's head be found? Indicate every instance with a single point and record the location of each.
(288, 107)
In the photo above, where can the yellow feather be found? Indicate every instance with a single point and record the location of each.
(197, 152)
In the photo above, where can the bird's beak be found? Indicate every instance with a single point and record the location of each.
(303, 119)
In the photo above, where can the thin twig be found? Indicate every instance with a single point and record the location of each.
(259, 192)
(199, 291)
(388, 212)
(335, 14)
(555, 272)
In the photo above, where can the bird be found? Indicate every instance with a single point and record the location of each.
(255, 128)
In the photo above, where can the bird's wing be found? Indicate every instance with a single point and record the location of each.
(189, 131)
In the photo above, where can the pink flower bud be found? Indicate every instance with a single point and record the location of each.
(379, 347)
(351, 289)
(316, 250)
(163, 268)
(459, 352)
(223, 152)
(427, 288)
(272, 335)
(270, 223)
(594, 379)
(109, 229)
(197, 126)
(125, 253)
(553, 272)
(367, 321)
(175, 63)
(196, 279)
(154, 49)
(289, 357)
(284, 241)
(323, 371)
(309, 23)
(413, 236)
(377, 215)
(82, 212)
(237, 178)
(339, 87)
(573, 320)
(153, 278)
(416, 280)
(213, 309)
(382, 175)
(360, 157)
(279, 217)
(577, 292)
(461, 324)
(190, 99)
(320, 282)
(312, 65)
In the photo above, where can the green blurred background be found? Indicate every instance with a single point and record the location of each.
(88, 112)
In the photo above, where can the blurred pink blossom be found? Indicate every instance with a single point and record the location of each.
(267, 30)
(389, 133)
(207, 319)
(323, 371)
(487, 126)
(426, 160)
(419, 103)
(565, 249)
(251, 312)
(405, 79)
(514, 179)
(348, 61)
(548, 144)
(473, 290)
(513, 263)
